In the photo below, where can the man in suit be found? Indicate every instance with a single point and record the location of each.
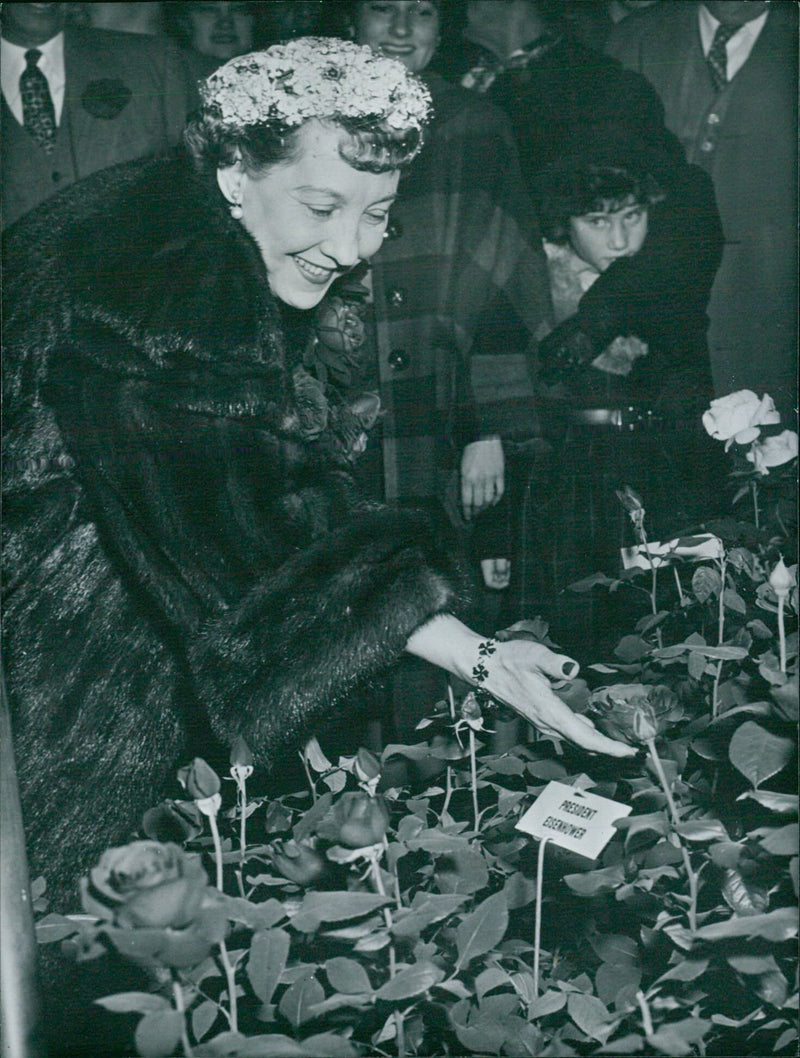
(78, 100)
(727, 76)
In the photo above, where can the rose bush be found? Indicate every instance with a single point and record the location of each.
(406, 924)
(738, 416)
(146, 884)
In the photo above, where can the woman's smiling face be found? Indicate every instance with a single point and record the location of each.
(407, 30)
(313, 216)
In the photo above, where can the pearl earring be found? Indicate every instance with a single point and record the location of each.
(236, 210)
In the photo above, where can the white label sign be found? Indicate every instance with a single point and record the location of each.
(573, 819)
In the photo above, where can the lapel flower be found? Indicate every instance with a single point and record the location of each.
(105, 98)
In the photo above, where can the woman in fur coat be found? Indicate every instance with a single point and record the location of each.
(185, 555)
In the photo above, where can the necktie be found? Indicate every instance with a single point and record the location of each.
(38, 113)
(717, 57)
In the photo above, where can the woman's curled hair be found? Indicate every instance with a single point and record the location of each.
(573, 187)
(369, 146)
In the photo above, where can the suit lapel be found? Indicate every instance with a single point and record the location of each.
(79, 68)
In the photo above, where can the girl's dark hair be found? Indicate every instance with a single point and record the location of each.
(366, 145)
(573, 187)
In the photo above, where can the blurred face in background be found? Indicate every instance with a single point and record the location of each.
(30, 24)
(222, 30)
(407, 30)
(736, 12)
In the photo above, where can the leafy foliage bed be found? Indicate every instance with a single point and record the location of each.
(356, 918)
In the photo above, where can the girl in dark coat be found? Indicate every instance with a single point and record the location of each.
(185, 554)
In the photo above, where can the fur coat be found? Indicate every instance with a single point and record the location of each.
(185, 554)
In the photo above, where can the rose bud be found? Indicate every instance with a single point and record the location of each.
(781, 579)
(199, 779)
(241, 760)
(298, 862)
(177, 821)
(356, 820)
(367, 765)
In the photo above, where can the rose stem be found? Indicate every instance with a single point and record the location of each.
(653, 578)
(230, 978)
(647, 1020)
(398, 899)
(449, 773)
(782, 631)
(720, 637)
(681, 596)
(387, 917)
(537, 922)
(448, 791)
(304, 759)
(223, 951)
(242, 791)
(474, 775)
(673, 811)
(177, 991)
(754, 493)
(451, 700)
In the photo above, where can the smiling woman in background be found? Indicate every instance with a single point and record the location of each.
(212, 32)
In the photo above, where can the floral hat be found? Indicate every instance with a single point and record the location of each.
(316, 77)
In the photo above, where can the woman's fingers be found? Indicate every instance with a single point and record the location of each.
(538, 656)
(518, 678)
(582, 732)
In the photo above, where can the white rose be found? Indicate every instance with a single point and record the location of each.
(737, 416)
(773, 451)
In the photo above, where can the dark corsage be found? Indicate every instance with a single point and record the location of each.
(105, 98)
(335, 350)
(309, 416)
(351, 422)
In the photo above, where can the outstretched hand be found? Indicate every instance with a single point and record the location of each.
(519, 674)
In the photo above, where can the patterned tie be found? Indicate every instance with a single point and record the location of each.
(38, 113)
(717, 57)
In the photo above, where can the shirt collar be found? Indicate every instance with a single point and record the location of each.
(51, 63)
(748, 33)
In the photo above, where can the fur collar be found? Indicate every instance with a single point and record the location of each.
(149, 252)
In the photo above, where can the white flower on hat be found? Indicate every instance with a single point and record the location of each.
(316, 77)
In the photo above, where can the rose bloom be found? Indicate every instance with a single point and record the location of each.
(773, 451)
(356, 820)
(146, 884)
(737, 416)
(635, 712)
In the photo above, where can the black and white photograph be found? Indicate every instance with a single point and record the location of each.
(399, 529)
